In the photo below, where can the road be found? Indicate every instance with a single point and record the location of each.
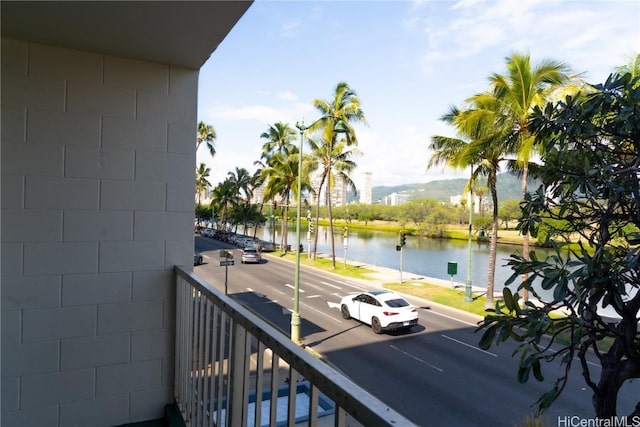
(434, 374)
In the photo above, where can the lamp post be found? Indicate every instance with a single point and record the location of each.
(339, 127)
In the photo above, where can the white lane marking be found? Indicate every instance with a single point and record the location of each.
(331, 284)
(451, 318)
(314, 296)
(288, 311)
(417, 358)
(205, 256)
(469, 345)
(293, 287)
(577, 358)
(323, 313)
(333, 304)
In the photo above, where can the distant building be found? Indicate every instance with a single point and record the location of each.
(457, 201)
(338, 193)
(258, 194)
(365, 193)
(395, 199)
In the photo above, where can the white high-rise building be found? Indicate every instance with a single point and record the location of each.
(365, 193)
(338, 193)
(395, 199)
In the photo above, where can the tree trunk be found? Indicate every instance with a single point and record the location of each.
(283, 229)
(315, 237)
(494, 240)
(333, 246)
(605, 399)
(255, 228)
(525, 240)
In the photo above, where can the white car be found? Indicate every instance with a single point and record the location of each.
(382, 309)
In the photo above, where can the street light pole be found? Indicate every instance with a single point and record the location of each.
(339, 127)
(295, 316)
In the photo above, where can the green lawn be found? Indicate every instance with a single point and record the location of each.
(436, 293)
(441, 295)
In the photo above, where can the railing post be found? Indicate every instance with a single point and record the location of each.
(238, 376)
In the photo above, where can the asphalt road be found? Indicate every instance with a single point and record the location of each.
(434, 374)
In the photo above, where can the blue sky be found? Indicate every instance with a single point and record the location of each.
(408, 61)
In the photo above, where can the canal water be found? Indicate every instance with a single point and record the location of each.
(421, 256)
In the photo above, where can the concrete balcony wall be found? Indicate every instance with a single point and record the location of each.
(97, 162)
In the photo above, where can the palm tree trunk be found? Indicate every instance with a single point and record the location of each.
(333, 245)
(255, 228)
(494, 239)
(315, 237)
(285, 223)
(525, 240)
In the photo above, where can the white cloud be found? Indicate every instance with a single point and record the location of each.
(287, 95)
(289, 29)
(259, 113)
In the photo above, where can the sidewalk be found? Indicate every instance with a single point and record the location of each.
(382, 275)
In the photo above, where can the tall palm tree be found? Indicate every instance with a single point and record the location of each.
(518, 91)
(280, 138)
(344, 106)
(202, 183)
(334, 166)
(206, 134)
(241, 180)
(482, 147)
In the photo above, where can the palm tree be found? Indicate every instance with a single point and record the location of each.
(345, 107)
(256, 182)
(242, 185)
(522, 88)
(206, 134)
(279, 140)
(632, 68)
(280, 137)
(335, 166)
(241, 180)
(482, 148)
(202, 183)
(281, 174)
(224, 195)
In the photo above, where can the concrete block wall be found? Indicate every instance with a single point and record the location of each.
(97, 187)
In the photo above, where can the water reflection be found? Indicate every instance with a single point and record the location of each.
(421, 256)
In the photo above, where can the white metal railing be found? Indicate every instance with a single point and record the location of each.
(233, 369)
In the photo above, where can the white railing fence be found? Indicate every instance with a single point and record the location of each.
(234, 369)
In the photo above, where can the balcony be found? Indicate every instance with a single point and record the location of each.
(229, 365)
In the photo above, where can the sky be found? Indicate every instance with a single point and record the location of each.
(408, 62)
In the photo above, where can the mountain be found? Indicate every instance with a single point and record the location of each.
(509, 187)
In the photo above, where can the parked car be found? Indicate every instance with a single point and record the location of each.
(382, 309)
(207, 232)
(250, 255)
(197, 258)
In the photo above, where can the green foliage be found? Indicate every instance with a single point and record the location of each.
(203, 212)
(591, 189)
(508, 211)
